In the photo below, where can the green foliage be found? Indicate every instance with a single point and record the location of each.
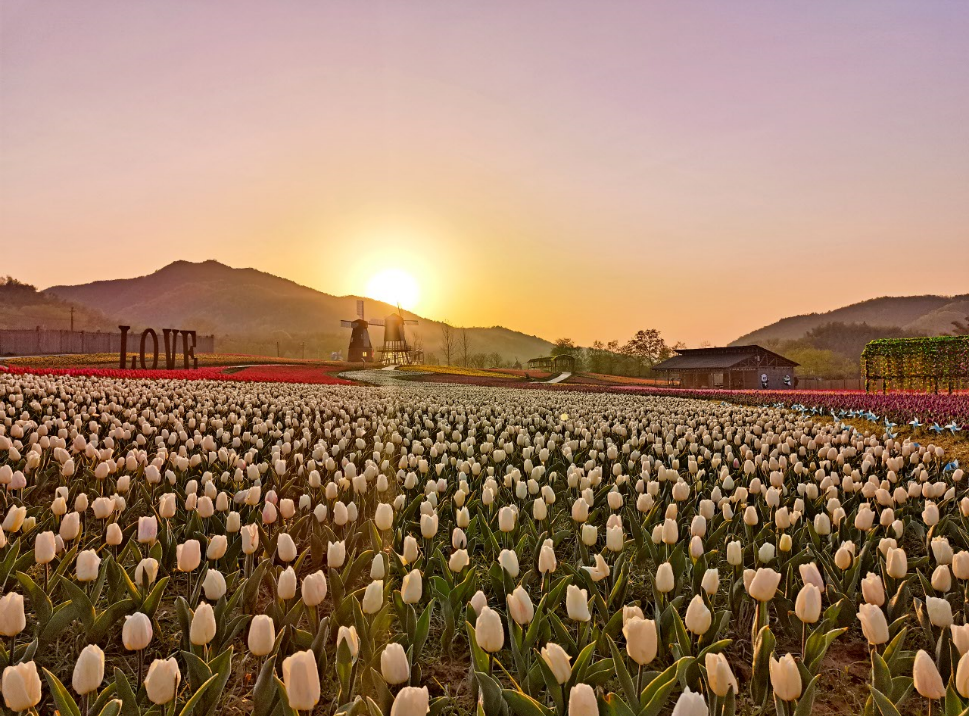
(924, 364)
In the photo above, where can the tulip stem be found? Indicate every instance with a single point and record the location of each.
(13, 649)
(803, 641)
(141, 667)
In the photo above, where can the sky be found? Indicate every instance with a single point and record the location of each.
(567, 169)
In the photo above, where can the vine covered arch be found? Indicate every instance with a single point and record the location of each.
(920, 364)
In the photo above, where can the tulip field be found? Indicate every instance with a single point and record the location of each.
(228, 546)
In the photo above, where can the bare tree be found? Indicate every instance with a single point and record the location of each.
(463, 344)
(449, 341)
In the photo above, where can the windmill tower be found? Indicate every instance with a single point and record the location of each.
(396, 349)
(360, 350)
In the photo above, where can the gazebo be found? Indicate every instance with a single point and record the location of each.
(564, 362)
(730, 367)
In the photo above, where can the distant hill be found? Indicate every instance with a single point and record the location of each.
(250, 311)
(23, 306)
(912, 315)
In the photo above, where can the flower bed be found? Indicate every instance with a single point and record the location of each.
(252, 374)
(896, 407)
(286, 549)
(108, 360)
(452, 370)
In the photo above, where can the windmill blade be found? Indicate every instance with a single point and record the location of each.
(347, 324)
(360, 309)
(411, 321)
(376, 322)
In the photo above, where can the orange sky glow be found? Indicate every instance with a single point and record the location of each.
(563, 169)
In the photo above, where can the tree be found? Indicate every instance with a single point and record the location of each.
(649, 346)
(449, 341)
(463, 345)
(563, 346)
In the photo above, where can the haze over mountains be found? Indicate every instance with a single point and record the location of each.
(913, 315)
(250, 310)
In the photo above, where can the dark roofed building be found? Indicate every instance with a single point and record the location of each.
(731, 368)
(562, 362)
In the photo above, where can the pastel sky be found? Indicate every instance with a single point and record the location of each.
(563, 168)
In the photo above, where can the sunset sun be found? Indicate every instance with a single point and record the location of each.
(395, 287)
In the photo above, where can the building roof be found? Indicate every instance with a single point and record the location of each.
(716, 358)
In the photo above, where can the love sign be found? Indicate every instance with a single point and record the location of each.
(171, 337)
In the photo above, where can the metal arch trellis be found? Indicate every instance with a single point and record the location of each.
(919, 364)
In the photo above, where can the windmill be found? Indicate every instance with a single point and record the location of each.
(360, 350)
(396, 349)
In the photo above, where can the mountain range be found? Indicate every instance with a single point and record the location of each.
(908, 315)
(251, 311)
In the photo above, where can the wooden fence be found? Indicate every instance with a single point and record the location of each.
(40, 341)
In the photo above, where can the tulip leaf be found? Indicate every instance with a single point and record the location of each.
(817, 645)
(108, 618)
(655, 694)
(60, 620)
(902, 686)
(807, 698)
(714, 648)
(62, 699)
(112, 708)
(626, 681)
(764, 647)
(615, 706)
(553, 687)
(221, 667)
(39, 600)
(106, 695)
(126, 694)
(344, 669)
(953, 704)
(422, 629)
(479, 657)
(882, 678)
(885, 706)
(563, 637)
(578, 672)
(67, 559)
(893, 652)
(9, 559)
(495, 705)
(524, 705)
(264, 691)
(683, 638)
(374, 683)
(199, 671)
(120, 577)
(154, 598)
(196, 698)
(600, 672)
(82, 608)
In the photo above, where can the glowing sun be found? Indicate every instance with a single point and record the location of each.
(394, 286)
